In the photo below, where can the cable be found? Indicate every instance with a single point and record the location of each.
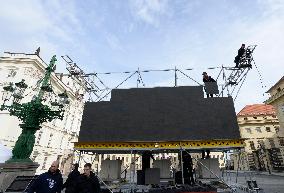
(189, 77)
(260, 76)
(117, 86)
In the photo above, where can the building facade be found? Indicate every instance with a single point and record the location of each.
(54, 141)
(277, 100)
(259, 126)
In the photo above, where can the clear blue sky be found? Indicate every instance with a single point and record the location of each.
(121, 35)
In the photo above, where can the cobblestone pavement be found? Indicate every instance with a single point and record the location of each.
(269, 183)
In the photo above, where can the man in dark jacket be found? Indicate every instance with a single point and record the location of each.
(72, 179)
(207, 78)
(48, 182)
(241, 52)
(88, 181)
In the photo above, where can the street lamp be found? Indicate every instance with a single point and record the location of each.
(19, 90)
(33, 113)
(7, 93)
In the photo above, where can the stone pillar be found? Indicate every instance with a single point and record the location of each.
(9, 172)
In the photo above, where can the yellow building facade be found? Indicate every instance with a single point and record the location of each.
(277, 100)
(260, 128)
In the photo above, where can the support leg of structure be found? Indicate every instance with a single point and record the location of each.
(209, 170)
(181, 166)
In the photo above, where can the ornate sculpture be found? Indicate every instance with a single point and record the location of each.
(33, 113)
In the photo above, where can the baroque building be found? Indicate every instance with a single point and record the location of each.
(259, 126)
(277, 100)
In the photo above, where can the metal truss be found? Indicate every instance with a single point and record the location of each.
(176, 145)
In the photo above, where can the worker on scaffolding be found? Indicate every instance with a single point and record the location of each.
(207, 78)
(241, 52)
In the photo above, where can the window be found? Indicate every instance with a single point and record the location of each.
(245, 118)
(126, 159)
(258, 129)
(248, 130)
(276, 129)
(113, 157)
(261, 144)
(251, 144)
(50, 139)
(271, 142)
(255, 117)
(39, 137)
(281, 141)
(268, 129)
(44, 163)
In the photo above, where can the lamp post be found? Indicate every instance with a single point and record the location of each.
(32, 114)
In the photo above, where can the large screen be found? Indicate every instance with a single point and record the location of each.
(159, 114)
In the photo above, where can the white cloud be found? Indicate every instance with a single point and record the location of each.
(267, 33)
(29, 24)
(57, 27)
(114, 42)
(149, 11)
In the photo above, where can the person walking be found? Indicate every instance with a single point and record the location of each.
(88, 181)
(48, 182)
(72, 179)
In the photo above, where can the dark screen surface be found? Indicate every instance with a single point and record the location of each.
(159, 114)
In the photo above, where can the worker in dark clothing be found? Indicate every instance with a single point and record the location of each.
(88, 181)
(241, 52)
(207, 78)
(146, 159)
(203, 154)
(187, 167)
(48, 182)
(189, 171)
(207, 154)
(72, 179)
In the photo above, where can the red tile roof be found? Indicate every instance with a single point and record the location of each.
(257, 109)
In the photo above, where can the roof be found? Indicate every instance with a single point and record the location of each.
(257, 109)
(281, 79)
